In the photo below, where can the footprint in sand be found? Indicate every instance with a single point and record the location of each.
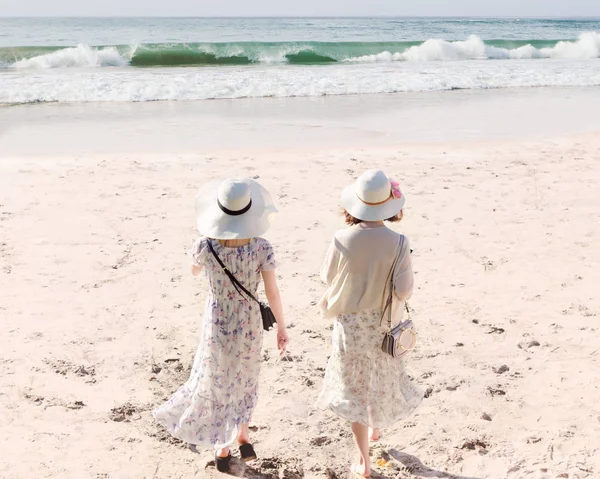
(320, 441)
(332, 474)
(162, 435)
(533, 440)
(475, 444)
(40, 400)
(494, 330)
(276, 468)
(291, 358)
(306, 381)
(528, 344)
(496, 391)
(124, 413)
(37, 400)
(488, 265)
(501, 370)
(65, 368)
(312, 334)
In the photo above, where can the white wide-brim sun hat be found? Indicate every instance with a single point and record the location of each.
(373, 197)
(234, 208)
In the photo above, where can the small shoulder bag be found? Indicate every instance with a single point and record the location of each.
(402, 338)
(268, 318)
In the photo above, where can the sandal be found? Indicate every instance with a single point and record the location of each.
(222, 463)
(247, 452)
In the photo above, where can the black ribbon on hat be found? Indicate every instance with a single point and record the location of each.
(234, 213)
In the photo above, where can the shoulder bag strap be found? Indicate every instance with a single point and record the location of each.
(388, 304)
(237, 285)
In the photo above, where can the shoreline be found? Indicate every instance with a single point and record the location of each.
(362, 121)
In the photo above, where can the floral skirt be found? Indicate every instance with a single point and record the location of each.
(362, 383)
(222, 390)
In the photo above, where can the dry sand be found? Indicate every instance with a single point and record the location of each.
(100, 317)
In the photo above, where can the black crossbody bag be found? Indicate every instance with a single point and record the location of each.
(268, 318)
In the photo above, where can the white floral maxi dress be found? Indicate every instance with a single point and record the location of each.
(222, 390)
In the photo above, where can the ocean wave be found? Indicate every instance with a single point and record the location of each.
(183, 84)
(80, 56)
(587, 46)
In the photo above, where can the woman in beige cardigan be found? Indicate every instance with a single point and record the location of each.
(364, 385)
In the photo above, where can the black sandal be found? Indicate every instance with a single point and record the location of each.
(247, 452)
(222, 463)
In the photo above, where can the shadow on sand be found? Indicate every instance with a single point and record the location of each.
(415, 468)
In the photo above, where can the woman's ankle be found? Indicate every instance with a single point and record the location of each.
(223, 452)
(244, 435)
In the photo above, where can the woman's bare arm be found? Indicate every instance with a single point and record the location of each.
(274, 298)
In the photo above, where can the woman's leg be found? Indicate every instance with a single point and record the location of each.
(243, 438)
(361, 437)
(223, 452)
(244, 434)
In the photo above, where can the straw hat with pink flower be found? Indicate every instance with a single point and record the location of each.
(373, 197)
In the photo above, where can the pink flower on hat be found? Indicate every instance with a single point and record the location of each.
(396, 193)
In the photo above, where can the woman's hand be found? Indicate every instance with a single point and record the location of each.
(274, 298)
(282, 340)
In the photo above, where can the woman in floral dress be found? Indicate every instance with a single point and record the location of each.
(364, 385)
(215, 405)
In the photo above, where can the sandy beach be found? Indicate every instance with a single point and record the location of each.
(100, 317)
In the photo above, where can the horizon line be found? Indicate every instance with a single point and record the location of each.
(238, 17)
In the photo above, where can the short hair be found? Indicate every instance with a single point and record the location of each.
(351, 220)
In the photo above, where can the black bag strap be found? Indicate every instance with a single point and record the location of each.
(239, 287)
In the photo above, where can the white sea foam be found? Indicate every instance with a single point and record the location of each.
(587, 46)
(150, 84)
(79, 56)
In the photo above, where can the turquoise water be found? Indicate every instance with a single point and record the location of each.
(107, 31)
(139, 59)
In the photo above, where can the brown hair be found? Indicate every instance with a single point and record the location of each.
(351, 220)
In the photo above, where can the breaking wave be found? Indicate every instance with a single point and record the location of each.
(587, 46)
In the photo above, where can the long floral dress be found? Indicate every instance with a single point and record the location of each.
(362, 383)
(222, 390)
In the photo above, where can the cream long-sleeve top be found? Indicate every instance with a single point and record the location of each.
(357, 268)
